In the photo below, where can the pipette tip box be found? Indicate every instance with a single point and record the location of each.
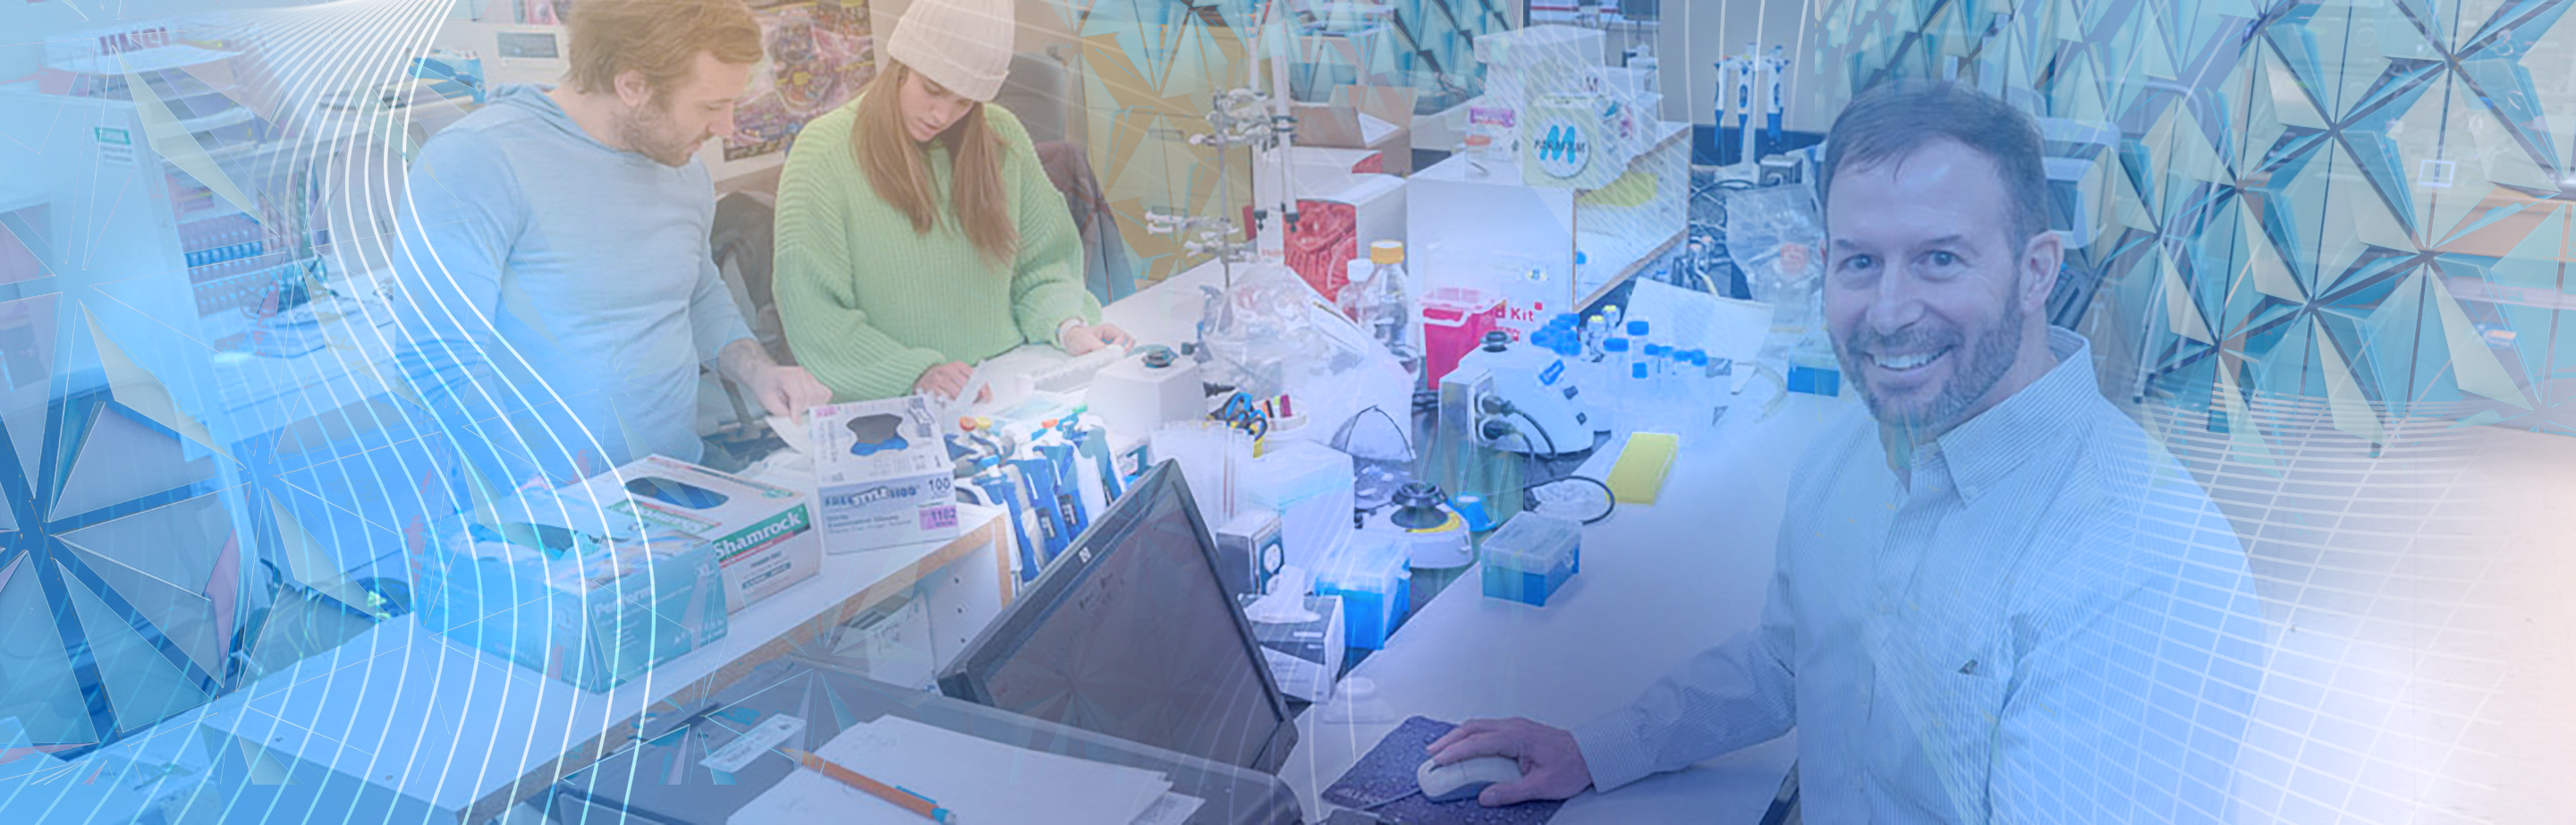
(1530, 557)
(1369, 573)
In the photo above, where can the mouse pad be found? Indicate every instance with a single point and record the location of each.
(1384, 779)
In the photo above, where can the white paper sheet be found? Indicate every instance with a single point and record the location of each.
(983, 782)
(1172, 809)
(799, 437)
(1689, 319)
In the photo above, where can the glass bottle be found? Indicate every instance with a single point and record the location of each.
(1383, 306)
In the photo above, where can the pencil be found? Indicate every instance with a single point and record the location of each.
(905, 799)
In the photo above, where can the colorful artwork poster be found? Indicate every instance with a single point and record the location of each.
(544, 12)
(820, 54)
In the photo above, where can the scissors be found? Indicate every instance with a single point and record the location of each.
(1241, 413)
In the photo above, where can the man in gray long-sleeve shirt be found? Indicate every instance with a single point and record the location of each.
(558, 293)
(1996, 599)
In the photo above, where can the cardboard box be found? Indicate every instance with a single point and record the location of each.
(764, 536)
(1336, 226)
(618, 599)
(1378, 118)
(1314, 171)
(1305, 657)
(882, 476)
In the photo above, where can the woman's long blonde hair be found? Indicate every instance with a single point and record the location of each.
(901, 172)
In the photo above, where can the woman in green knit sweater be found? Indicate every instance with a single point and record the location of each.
(916, 232)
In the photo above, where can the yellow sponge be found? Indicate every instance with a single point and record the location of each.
(1639, 474)
(1636, 188)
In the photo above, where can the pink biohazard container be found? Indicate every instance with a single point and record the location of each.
(1454, 323)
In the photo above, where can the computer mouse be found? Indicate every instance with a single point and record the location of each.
(1465, 778)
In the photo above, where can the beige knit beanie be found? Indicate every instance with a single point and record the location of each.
(964, 45)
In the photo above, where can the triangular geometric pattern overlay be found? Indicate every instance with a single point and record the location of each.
(123, 565)
(2366, 205)
(156, 519)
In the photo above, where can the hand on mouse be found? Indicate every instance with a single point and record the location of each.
(1551, 764)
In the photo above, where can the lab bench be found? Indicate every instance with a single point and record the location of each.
(404, 720)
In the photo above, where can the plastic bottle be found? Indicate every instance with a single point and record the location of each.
(1383, 305)
(1616, 355)
(1637, 400)
(1697, 388)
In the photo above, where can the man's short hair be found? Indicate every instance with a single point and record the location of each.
(661, 38)
(1895, 119)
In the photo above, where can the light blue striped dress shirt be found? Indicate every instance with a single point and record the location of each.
(2052, 623)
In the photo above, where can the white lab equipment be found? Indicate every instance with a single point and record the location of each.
(1531, 408)
(1432, 534)
(1563, 339)
(1642, 58)
(1250, 552)
(1147, 389)
(1311, 486)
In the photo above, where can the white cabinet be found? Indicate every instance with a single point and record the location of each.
(963, 597)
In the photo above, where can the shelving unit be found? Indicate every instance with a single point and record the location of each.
(1562, 244)
(228, 195)
(26, 226)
